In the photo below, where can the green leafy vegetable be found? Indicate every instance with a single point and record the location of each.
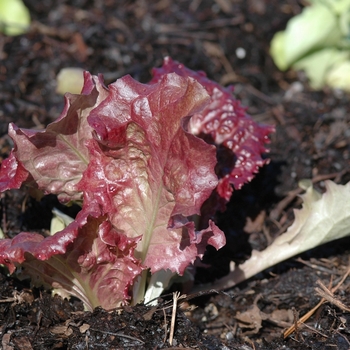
(317, 41)
(14, 17)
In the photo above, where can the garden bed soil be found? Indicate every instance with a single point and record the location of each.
(229, 40)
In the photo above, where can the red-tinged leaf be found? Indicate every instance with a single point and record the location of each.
(126, 151)
(12, 173)
(56, 157)
(148, 174)
(108, 264)
(165, 251)
(77, 262)
(12, 251)
(224, 122)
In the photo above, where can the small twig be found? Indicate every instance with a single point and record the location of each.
(315, 330)
(18, 298)
(121, 335)
(251, 343)
(176, 296)
(303, 319)
(37, 27)
(257, 93)
(328, 295)
(291, 329)
(314, 266)
(330, 298)
(165, 326)
(187, 297)
(9, 300)
(295, 319)
(347, 273)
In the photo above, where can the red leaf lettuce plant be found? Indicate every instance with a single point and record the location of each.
(144, 161)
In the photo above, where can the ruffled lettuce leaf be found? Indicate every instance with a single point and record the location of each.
(12, 173)
(55, 158)
(153, 174)
(240, 141)
(126, 153)
(77, 261)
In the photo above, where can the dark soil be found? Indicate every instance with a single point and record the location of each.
(312, 140)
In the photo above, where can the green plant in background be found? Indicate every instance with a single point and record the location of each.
(318, 42)
(70, 79)
(14, 17)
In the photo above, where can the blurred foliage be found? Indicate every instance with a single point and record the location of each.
(318, 42)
